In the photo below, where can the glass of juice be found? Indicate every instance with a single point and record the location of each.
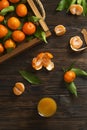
(47, 107)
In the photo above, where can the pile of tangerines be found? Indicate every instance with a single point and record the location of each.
(13, 23)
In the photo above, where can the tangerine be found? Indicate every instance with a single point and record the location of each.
(1, 18)
(18, 36)
(3, 31)
(69, 76)
(21, 10)
(14, 1)
(1, 48)
(9, 44)
(13, 23)
(3, 4)
(29, 28)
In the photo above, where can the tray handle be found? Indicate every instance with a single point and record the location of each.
(42, 9)
(37, 13)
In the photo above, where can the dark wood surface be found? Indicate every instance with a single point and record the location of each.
(20, 113)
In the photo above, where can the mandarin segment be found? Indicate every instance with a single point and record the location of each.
(59, 30)
(43, 60)
(76, 42)
(19, 88)
(76, 9)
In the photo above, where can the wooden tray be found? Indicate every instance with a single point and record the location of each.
(31, 43)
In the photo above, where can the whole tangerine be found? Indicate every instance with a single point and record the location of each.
(18, 36)
(14, 1)
(13, 23)
(3, 31)
(4, 4)
(1, 18)
(21, 10)
(69, 76)
(1, 48)
(9, 44)
(29, 28)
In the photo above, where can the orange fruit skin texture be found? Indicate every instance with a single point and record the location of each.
(3, 31)
(69, 76)
(1, 48)
(1, 18)
(13, 23)
(9, 44)
(29, 28)
(3, 4)
(21, 10)
(18, 36)
(14, 1)
(47, 107)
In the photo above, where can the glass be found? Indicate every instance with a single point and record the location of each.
(47, 107)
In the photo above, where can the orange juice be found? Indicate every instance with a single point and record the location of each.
(47, 107)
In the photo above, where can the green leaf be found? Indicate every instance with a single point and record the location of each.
(69, 68)
(79, 72)
(84, 4)
(71, 3)
(9, 49)
(43, 36)
(31, 78)
(7, 9)
(28, 38)
(79, 1)
(40, 34)
(62, 5)
(72, 88)
(33, 19)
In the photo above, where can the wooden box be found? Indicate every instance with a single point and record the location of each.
(31, 43)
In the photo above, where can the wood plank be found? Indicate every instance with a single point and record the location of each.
(22, 47)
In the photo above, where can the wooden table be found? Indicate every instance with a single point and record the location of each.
(20, 113)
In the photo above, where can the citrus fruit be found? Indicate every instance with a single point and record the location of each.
(69, 76)
(18, 36)
(1, 18)
(9, 44)
(3, 31)
(3, 4)
(29, 28)
(14, 1)
(21, 10)
(1, 48)
(13, 23)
